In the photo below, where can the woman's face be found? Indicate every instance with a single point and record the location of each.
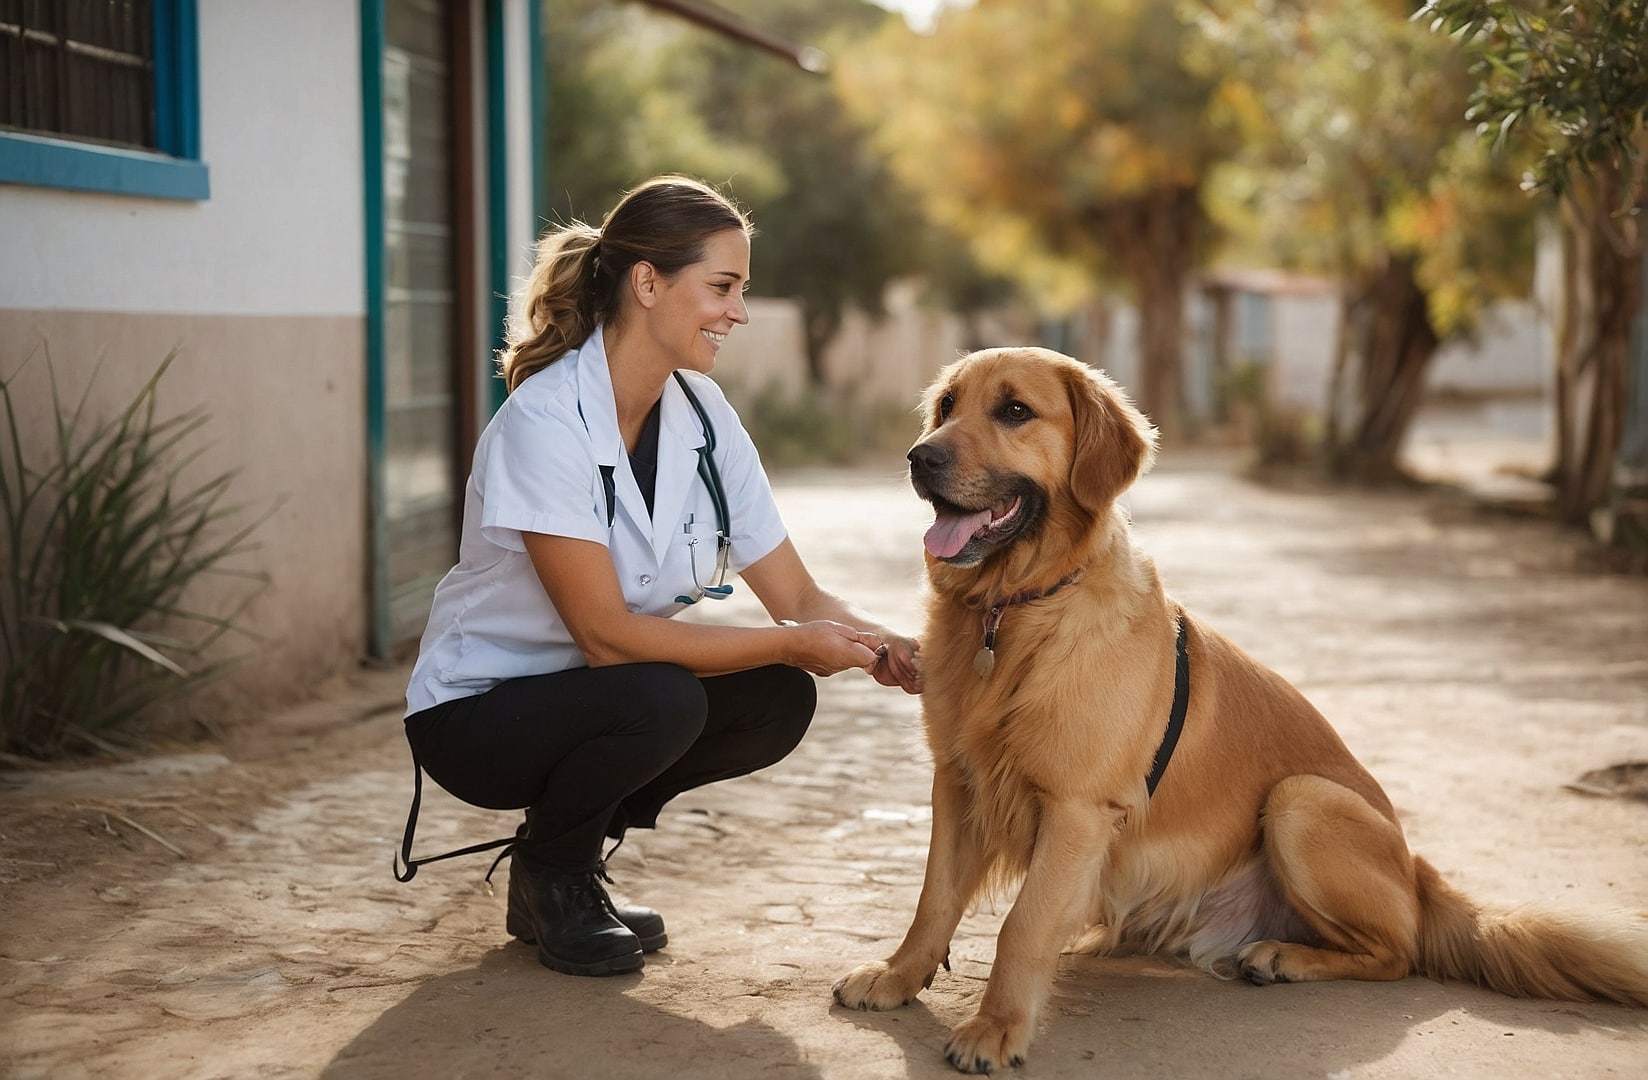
(697, 307)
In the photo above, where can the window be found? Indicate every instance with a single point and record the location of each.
(101, 95)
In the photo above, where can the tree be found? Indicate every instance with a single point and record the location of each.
(1356, 165)
(839, 227)
(634, 93)
(1571, 79)
(1069, 144)
(608, 125)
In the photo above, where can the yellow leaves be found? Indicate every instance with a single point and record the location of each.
(1237, 104)
(1123, 163)
(1417, 222)
(1071, 113)
(1424, 224)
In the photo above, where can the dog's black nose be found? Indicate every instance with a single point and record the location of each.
(926, 459)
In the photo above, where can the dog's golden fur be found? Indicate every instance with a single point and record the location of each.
(1267, 851)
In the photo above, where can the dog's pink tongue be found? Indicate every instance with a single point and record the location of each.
(951, 532)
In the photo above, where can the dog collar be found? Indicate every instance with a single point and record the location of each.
(984, 661)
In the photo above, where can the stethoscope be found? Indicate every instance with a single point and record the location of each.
(711, 476)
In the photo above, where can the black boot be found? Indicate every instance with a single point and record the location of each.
(568, 915)
(646, 924)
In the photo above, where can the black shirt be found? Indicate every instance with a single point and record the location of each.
(643, 461)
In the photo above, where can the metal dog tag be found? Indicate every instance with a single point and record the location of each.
(984, 662)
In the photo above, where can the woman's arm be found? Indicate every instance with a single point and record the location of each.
(581, 582)
(781, 581)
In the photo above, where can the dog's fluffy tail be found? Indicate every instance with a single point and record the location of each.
(1528, 952)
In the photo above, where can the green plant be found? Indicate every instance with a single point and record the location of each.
(826, 428)
(99, 543)
(1281, 436)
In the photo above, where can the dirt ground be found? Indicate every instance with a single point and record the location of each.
(227, 910)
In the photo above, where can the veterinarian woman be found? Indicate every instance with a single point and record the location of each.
(613, 488)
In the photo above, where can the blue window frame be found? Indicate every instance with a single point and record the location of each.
(170, 169)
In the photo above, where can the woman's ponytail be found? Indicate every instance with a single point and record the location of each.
(575, 280)
(558, 308)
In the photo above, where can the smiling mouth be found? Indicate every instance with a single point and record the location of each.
(955, 527)
(713, 336)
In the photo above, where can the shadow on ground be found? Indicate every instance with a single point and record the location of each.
(508, 1017)
(1118, 1018)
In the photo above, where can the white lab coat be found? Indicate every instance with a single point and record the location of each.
(537, 469)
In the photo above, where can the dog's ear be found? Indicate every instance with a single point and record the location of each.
(1115, 443)
(929, 402)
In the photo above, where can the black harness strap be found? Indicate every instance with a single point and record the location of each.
(404, 856)
(1181, 703)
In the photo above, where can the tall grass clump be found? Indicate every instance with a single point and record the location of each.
(100, 540)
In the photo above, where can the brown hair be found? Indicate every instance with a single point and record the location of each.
(580, 270)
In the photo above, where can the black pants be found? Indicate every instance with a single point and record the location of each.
(592, 751)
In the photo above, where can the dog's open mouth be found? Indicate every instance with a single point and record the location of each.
(955, 527)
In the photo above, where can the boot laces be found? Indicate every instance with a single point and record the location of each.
(600, 870)
(591, 880)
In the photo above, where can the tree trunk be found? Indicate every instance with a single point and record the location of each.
(1602, 293)
(1352, 305)
(818, 327)
(1391, 343)
(1156, 241)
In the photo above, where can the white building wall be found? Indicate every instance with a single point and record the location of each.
(1511, 354)
(282, 231)
(766, 357)
(260, 289)
(1305, 329)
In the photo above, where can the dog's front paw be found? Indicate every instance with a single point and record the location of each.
(877, 986)
(983, 1044)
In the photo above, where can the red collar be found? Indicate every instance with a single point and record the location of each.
(984, 661)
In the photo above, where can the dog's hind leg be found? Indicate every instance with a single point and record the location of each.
(955, 869)
(1345, 869)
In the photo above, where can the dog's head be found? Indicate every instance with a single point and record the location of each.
(1020, 443)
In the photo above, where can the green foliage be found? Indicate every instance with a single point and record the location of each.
(1069, 146)
(1570, 82)
(101, 541)
(634, 93)
(1356, 152)
(839, 227)
(1046, 139)
(1282, 437)
(611, 123)
(1572, 77)
(829, 429)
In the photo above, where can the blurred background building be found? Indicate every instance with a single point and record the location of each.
(324, 207)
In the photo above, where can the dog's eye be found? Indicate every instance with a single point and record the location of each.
(1016, 412)
(945, 404)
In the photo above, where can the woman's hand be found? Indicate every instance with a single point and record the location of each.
(789, 593)
(823, 647)
(898, 663)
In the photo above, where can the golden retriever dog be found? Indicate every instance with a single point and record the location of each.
(1062, 684)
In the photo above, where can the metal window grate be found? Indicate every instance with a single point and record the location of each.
(83, 69)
